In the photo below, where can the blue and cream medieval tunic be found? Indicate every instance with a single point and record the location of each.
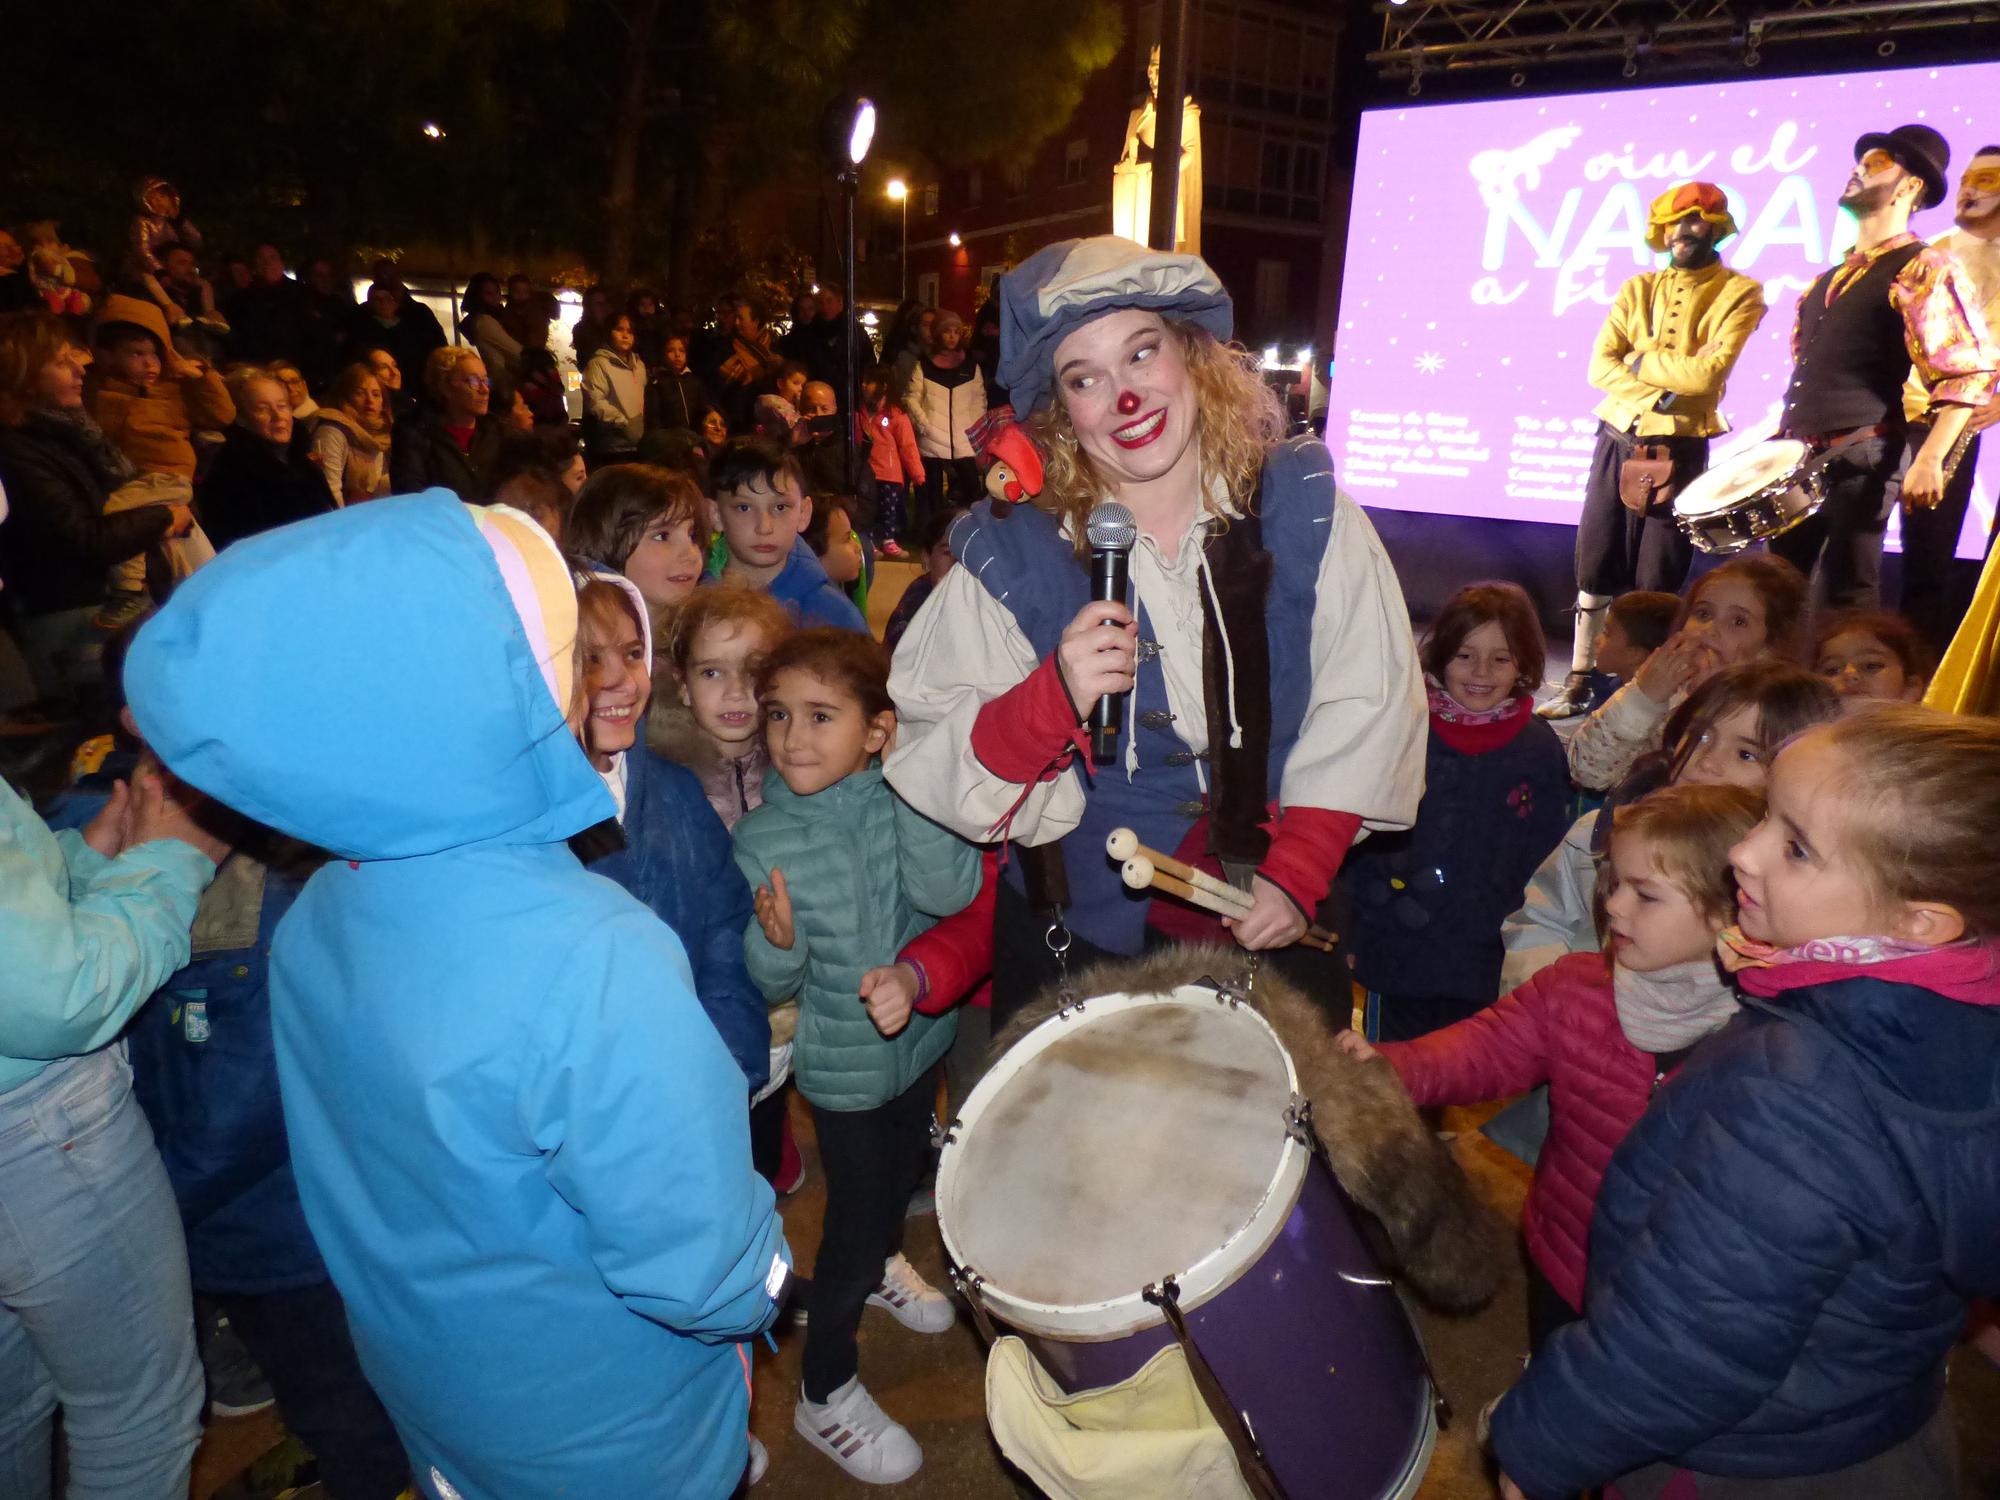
(1347, 716)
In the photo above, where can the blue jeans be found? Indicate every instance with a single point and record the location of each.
(95, 1311)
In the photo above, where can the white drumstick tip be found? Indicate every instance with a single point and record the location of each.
(1122, 844)
(1138, 873)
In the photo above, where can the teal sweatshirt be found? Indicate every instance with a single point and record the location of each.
(87, 939)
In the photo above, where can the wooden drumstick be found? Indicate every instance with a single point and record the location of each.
(1124, 844)
(1140, 873)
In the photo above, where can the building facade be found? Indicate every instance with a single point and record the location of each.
(1263, 73)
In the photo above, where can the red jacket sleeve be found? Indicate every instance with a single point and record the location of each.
(1307, 847)
(1503, 1050)
(1031, 732)
(956, 954)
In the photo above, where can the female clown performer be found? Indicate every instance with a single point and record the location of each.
(1273, 709)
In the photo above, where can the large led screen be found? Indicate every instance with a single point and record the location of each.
(1487, 240)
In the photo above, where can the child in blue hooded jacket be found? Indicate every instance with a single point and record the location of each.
(847, 873)
(518, 1139)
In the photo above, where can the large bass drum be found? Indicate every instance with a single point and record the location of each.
(1754, 494)
(1136, 1138)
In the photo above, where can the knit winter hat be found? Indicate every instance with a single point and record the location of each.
(1065, 285)
(1677, 202)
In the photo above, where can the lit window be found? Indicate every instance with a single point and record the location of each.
(930, 199)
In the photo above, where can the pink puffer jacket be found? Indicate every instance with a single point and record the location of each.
(1560, 1028)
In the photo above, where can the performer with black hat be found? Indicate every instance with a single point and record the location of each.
(1661, 359)
(1894, 306)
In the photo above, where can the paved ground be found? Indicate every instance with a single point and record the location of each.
(934, 1384)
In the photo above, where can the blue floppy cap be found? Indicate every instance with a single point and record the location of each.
(1065, 285)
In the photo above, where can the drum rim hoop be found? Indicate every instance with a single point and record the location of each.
(1778, 482)
(1206, 1278)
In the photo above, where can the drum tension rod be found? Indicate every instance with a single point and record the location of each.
(969, 1283)
(945, 1134)
(1227, 994)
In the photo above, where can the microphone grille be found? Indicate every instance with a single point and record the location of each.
(1112, 528)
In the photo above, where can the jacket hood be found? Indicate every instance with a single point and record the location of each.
(381, 681)
(137, 310)
(598, 573)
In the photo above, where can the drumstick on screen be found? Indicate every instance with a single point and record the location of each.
(1140, 873)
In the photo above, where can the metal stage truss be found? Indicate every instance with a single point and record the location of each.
(1436, 39)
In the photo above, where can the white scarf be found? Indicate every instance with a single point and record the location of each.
(1671, 1008)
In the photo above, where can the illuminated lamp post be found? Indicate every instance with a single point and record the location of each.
(899, 193)
(846, 132)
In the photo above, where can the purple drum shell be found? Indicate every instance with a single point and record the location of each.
(1326, 1370)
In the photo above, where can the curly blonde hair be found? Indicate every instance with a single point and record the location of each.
(1238, 420)
(443, 364)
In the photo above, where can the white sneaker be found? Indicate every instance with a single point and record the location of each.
(760, 1462)
(855, 1433)
(915, 1302)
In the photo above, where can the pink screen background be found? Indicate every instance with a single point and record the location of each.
(1487, 240)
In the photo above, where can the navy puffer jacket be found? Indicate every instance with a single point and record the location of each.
(1785, 1244)
(675, 856)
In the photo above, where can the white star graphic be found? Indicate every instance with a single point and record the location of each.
(1430, 364)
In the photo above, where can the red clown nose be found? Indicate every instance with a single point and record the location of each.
(1128, 402)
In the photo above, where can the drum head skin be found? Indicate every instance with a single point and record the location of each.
(1139, 1138)
(1741, 476)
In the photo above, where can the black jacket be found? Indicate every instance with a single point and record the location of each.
(253, 487)
(423, 456)
(676, 400)
(56, 543)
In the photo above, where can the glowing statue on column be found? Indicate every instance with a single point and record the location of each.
(1132, 178)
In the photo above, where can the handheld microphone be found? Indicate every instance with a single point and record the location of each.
(1112, 532)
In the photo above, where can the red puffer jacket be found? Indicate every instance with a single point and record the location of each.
(1560, 1028)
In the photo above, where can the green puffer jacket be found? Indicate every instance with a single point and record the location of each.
(866, 873)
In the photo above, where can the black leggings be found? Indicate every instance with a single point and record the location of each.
(873, 1160)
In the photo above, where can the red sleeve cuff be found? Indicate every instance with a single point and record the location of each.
(954, 956)
(1307, 846)
(1030, 732)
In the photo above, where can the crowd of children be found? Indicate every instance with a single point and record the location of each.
(1741, 924)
